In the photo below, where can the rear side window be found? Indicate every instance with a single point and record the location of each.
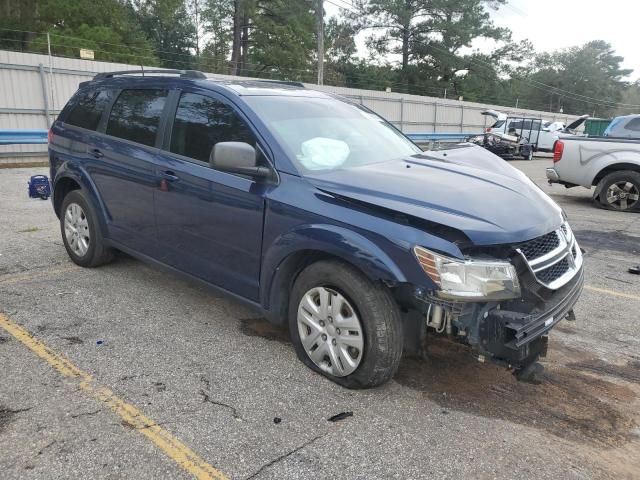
(87, 110)
(136, 115)
(201, 122)
(498, 124)
(633, 125)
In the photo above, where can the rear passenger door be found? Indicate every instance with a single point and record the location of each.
(209, 222)
(123, 166)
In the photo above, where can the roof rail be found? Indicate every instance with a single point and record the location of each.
(194, 74)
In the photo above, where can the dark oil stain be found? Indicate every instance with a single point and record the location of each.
(3, 339)
(73, 340)
(608, 240)
(568, 404)
(260, 327)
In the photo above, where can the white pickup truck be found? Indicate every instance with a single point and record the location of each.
(610, 163)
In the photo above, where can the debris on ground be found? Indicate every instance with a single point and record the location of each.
(340, 416)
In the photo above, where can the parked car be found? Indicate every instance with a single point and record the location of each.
(317, 213)
(543, 133)
(610, 164)
(627, 126)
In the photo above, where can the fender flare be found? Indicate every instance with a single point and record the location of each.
(80, 176)
(325, 239)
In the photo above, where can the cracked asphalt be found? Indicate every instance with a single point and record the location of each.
(217, 377)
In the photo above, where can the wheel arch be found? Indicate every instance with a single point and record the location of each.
(614, 167)
(69, 178)
(293, 252)
(61, 189)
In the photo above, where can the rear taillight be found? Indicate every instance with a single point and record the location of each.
(488, 129)
(49, 136)
(558, 149)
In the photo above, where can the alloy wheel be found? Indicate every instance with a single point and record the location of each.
(76, 229)
(622, 195)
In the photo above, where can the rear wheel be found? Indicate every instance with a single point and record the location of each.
(344, 326)
(81, 232)
(620, 191)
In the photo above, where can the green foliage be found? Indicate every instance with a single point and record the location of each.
(169, 28)
(282, 40)
(587, 79)
(105, 26)
(217, 16)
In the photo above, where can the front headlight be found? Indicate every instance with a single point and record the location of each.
(475, 280)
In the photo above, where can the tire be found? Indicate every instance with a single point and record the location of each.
(620, 191)
(528, 154)
(369, 305)
(88, 249)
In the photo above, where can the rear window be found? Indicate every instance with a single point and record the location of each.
(136, 115)
(87, 110)
(634, 125)
(498, 124)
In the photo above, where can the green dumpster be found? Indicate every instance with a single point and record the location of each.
(595, 127)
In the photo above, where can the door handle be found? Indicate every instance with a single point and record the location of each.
(169, 176)
(96, 153)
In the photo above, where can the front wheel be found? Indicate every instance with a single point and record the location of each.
(620, 191)
(344, 326)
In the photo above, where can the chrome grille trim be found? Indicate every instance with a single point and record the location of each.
(558, 266)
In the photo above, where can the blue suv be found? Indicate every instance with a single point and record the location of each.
(318, 213)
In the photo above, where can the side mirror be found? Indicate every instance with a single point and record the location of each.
(237, 157)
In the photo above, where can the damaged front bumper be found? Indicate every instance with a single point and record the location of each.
(513, 333)
(518, 338)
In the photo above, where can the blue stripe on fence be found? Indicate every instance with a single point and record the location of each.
(9, 137)
(26, 137)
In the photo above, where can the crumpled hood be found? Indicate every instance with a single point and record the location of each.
(466, 188)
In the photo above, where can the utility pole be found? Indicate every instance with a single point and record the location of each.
(195, 7)
(320, 19)
(50, 68)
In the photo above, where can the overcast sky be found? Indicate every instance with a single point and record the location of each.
(555, 24)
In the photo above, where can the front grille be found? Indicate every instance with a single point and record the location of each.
(540, 246)
(554, 272)
(553, 258)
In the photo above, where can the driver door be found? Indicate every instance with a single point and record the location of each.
(209, 222)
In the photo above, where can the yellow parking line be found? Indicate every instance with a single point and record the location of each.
(39, 274)
(171, 446)
(612, 292)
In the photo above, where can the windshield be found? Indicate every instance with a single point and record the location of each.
(324, 134)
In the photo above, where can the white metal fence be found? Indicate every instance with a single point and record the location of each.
(34, 88)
